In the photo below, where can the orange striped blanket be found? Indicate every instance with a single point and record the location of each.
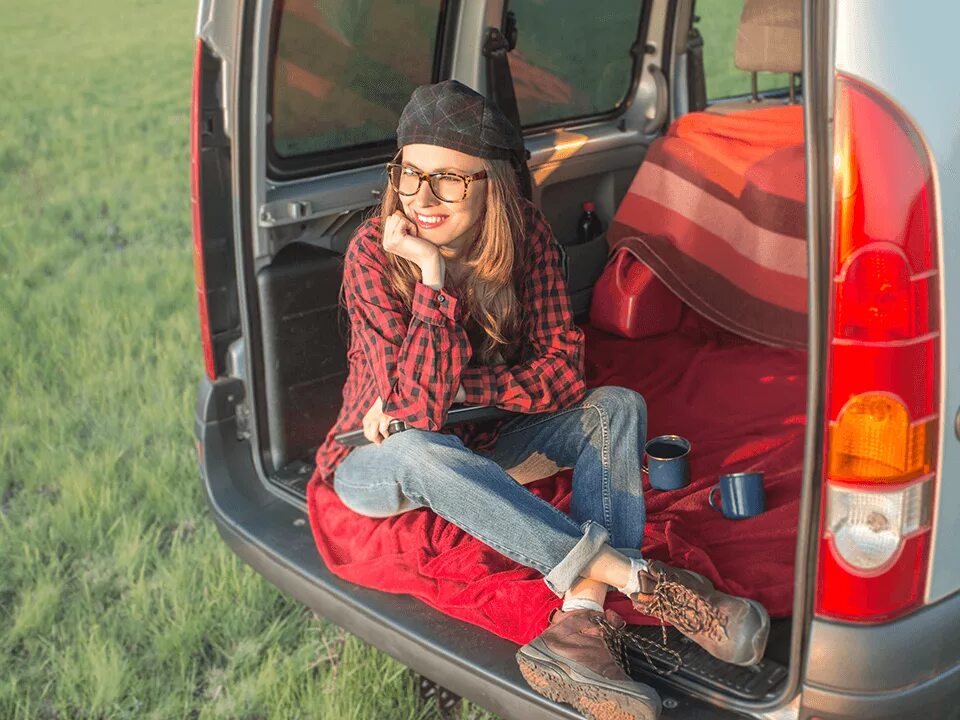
(717, 211)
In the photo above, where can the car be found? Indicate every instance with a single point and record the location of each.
(293, 115)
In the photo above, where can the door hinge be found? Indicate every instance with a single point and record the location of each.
(243, 421)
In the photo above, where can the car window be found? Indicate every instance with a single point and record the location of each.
(570, 62)
(718, 23)
(343, 70)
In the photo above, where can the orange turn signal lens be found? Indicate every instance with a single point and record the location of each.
(874, 439)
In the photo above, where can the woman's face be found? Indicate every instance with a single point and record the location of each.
(451, 225)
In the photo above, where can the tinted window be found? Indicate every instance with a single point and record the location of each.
(719, 20)
(344, 69)
(572, 58)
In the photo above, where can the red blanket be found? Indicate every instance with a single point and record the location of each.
(717, 211)
(742, 405)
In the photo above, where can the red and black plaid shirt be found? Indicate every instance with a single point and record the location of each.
(416, 358)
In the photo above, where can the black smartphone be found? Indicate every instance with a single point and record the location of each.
(457, 414)
(355, 438)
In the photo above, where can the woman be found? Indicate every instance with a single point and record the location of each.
(455, 294)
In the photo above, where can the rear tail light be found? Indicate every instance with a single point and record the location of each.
(883, 388)
(195, 119)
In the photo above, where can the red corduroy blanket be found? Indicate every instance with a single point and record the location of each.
(742, 406)
(717, 210)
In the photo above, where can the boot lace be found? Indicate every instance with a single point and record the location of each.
(616, 638)
(613, 639)
(674, 602)
(686, 610)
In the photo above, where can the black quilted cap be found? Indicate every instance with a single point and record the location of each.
(451, 115)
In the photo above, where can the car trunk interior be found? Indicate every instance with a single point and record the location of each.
(698, 375)
(305, 360)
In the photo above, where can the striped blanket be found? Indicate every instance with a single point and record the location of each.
(717, 211)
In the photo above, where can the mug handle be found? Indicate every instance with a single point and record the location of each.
(715, 488)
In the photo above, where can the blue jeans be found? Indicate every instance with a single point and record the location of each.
(601, 438)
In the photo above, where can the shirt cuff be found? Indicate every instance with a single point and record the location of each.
(434, 306)
(479, 385)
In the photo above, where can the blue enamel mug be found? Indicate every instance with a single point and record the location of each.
(741, 495)
(668, 462)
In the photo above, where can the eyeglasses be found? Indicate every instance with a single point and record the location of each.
(446, 186)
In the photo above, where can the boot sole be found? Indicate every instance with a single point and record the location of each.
(759, 641)
(593, 696)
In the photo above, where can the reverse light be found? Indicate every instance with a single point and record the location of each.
(868, 528)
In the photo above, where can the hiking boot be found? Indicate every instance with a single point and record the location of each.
(579, 660)
(733, 629)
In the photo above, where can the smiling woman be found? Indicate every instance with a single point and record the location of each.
(440, 196)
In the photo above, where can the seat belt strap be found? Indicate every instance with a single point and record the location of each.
(500, 89)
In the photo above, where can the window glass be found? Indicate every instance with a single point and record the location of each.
(572, 59)
(344, 69)
(719, 20)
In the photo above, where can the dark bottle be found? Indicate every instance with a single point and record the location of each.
(589, 225)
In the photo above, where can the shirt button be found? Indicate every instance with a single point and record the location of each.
(441, 299)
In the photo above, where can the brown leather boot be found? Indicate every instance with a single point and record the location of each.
(733, 629)
(578, 661)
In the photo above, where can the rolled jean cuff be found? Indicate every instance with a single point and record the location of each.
(567, 572)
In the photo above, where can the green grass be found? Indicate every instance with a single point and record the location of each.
(117, 597)
(718, 26)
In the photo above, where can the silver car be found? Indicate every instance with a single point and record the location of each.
(294, 109)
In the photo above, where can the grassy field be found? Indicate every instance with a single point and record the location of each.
(718, 26)
(117, 597)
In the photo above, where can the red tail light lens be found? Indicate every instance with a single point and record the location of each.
(879, 299)
(883, 389)
(195, 118)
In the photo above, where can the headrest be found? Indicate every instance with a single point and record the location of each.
(770, 36)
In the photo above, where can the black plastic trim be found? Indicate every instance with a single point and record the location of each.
(692, 667)
(244, 240)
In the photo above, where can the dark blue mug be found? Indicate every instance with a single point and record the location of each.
(741, 495)
(668, 464)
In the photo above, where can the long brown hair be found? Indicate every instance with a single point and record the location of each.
(493, 264)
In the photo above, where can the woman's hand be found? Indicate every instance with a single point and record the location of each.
(376, 423)
(400, 238)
